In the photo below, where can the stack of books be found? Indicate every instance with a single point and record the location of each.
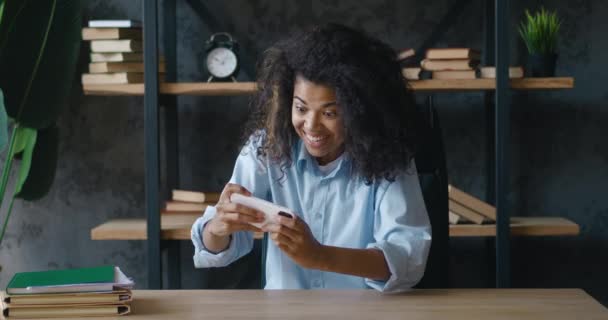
(465, 208)
(116, 52)
(405, 57)
(451, 63)
(84, 292)
(190, 202)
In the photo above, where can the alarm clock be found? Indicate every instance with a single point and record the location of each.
(222, 60)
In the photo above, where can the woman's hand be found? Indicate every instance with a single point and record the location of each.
(232, 217)
(293, 236)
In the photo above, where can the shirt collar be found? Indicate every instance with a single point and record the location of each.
(304, 159)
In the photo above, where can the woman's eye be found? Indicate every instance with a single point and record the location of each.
(330, 114)
(300, 109)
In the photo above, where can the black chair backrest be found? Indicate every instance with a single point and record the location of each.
(432, 173)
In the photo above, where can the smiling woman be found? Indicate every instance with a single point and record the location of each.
(331, 137)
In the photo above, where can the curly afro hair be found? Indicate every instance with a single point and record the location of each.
(379, 112)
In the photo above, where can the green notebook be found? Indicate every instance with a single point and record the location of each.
(104, 278)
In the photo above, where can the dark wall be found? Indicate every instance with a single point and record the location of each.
(558, 163)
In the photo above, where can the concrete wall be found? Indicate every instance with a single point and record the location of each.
(559, 158)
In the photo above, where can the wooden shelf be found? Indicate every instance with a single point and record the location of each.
(490, 84)
(182, 88)
(245, 88)
(177, 227)
(172, 227)
(520, 226)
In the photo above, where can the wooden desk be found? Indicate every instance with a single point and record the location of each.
(465, 304)
(177, 227)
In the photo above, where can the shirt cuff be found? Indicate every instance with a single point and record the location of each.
(404, 274)
(204, 258)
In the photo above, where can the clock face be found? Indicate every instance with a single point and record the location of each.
(221, 62)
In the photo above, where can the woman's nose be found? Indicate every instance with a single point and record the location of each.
(311, 122)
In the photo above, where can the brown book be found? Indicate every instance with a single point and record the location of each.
(116, 46)
(103, 297)
(445, 65)
(453, 218)
(174, 212)
(105, 67)
(112, 78)
(467, 213)
(448, 75)
(405, 53)
(411, 73)
(195, 196)
(111, 33)
(490, 72)
(185, 206)
(452, 53)
(472, 202)
(64, 311)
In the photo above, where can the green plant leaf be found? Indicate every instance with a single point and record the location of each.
(539, 31)
(23, 135)
(39, 46)
(29, 141)
(1, 9)
(3, 124)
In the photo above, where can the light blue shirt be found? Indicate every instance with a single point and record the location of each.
(341, 210)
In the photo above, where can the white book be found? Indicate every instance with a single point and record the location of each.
(114, 23)
(116, 46)
(116, 57)
(112, 78)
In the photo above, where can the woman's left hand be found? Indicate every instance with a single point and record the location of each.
(294, 237)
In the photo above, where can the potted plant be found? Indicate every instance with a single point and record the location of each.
(39, 47)
(539, 32)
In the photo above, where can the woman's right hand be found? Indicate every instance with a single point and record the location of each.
(232, 217)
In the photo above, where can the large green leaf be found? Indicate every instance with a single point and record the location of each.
(44, 163)
(27, 138)
(3, 123)
(39, 46)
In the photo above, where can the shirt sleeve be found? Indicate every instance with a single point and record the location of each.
(251, 173)
(402, 231)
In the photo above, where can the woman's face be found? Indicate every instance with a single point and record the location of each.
(318, 120)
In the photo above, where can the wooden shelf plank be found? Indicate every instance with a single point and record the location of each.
(177, 227)
(490, 84)
(173, 227)
(245, 88)
(182, 88)
(520, 226)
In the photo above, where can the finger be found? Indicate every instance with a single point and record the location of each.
(293, 235)
(281, 239)
(231, 188)
(239, 208)
(291, 223)
(246, 227)
(285, 248)
(237, 188)
(237, 217)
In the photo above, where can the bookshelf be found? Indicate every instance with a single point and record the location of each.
(177, 227)
(153, 227)
(245, 88)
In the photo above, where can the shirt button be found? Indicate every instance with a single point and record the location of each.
(317, 283)
(319, 215)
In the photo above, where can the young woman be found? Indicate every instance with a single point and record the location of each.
(332, 137)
